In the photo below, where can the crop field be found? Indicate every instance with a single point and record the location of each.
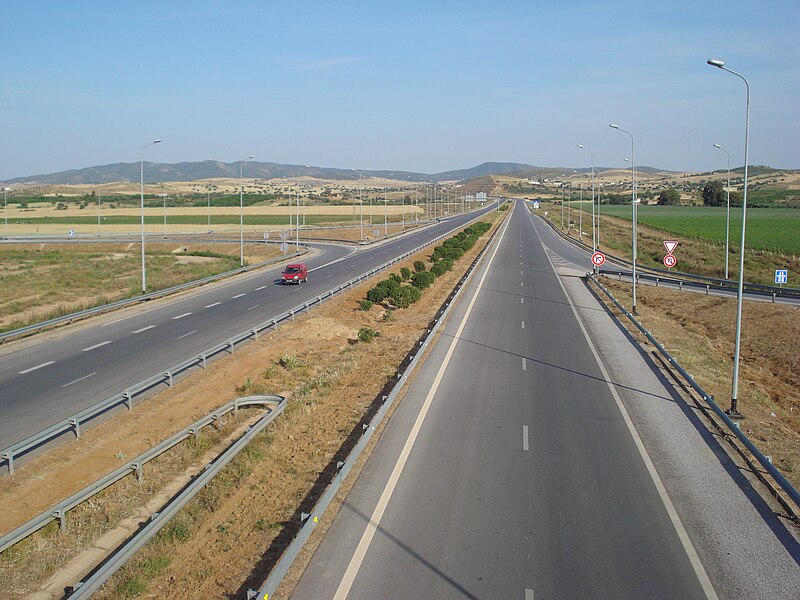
(771, 229)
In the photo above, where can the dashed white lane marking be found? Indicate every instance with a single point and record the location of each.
(117, 321)
(187, 334)
(524, 438)
(261, 288)
(252, 307)
(521, 284)
(523, 324)
(37, 367)
(96, 346)
(212, 305)
(528, 594)
(181, 316)
(524, 364)
(239, 295)
(522, 300)
(144, 329)
(79, 379)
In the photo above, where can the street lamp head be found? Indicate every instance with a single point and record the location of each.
(156, 141)
(613, 126)
(717, 146)
(580, 145)
(251, 156)
(715, 62)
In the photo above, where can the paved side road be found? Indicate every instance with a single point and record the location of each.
(512, 468)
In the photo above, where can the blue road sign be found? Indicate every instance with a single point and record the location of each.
(781, 275)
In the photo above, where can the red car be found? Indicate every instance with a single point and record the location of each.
(295, 273)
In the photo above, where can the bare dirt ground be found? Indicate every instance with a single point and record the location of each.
(214, 547)
(699, 331)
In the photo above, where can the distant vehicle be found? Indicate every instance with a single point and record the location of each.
(295, 273)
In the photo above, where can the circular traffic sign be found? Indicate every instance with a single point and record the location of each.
(670, 261)
(598, 258)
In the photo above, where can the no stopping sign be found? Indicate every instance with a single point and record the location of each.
(670, 261)
(598, 258)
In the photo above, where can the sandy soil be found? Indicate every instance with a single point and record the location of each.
(330, 380)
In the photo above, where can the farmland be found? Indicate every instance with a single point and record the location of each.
(770, 229)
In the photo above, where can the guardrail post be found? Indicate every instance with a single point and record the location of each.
(168, 375)
(291, 313)
(773, 297)
(707, 286)
(255, 333)
(9, 458)
(61, 517)
(138, 471)
(306, 307)
(76, 426)
(274, 324)
(128, 399)
(680, 285)
(230, 345)
(215, 421)
(656, 281)
(195, 432)
(203, 358)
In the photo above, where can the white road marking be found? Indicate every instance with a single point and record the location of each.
(96, 346)
(683, 536)
(239, 295)
(144, 329)
(117, 321)
(36, 367)
(528, 594)
(524, 364)
(521, 272)
(212, 305)
(328, 276)
(374, 522)
(522, 300)
(187, 334)
(521, 284)
(252, 307)
(181, 316)
(79, 379)
(261, 288)
(523, 324)
(525, 438)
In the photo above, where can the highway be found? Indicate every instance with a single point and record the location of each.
(48, 378)
(513, 469)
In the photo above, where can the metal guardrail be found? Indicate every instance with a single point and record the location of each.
(73, 424)
(784, 484)
(85, 588)
(97, 310)
(678, 276)
(58, 512)
(311, 519)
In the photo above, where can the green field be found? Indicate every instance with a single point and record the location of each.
(773, 229)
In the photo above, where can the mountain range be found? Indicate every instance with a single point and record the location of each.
(209, 169)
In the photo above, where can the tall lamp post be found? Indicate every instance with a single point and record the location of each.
(241, 210)
(141, 194)
(594, 234)
(361, 204)
(633, 211)
(734, 409)
(728, 211)
(5, 212)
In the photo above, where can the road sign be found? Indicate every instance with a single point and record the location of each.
(284, 247)
(598, 258)
(376, 232)
(670, 245)
(781, 275)
(266, 235)
(670, 261)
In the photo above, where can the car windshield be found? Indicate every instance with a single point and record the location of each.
(292, 269)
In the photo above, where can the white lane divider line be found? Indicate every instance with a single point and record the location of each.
(187, 334)
(117, 321)
(181, 316)
(239, 295)
(521, 284)
(79, 379)
(528, 594)
(144, 329)
(37, 367)
(525, 446)
(375, 520)
(212, 305)
(101, 344)
(522, 300)
(252, 307)
(263, 287)
(523, 324)
(524, 364)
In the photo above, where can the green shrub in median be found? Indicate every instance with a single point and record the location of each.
(423, 279)
(365, 305)
(405, 273)
(367, 334)
(419, 266)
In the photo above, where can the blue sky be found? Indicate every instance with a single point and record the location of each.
(421, 86)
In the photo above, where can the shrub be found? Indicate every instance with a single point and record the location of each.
(365, 305)
(405, 273)
(423, 279)
(396, 278)
(419, 266)
(377, 294)
(412, 293)
(399, 298)
(367, 334)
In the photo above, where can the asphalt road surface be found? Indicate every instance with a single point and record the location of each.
(510, 469)
(48, 378)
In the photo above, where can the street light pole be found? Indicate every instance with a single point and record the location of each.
(734, 409)
(209, 207)
(241, 210)
(361, 204)
(633, 210)
(141, 193)
(594, 231)
(728, 211)
(164, 202)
